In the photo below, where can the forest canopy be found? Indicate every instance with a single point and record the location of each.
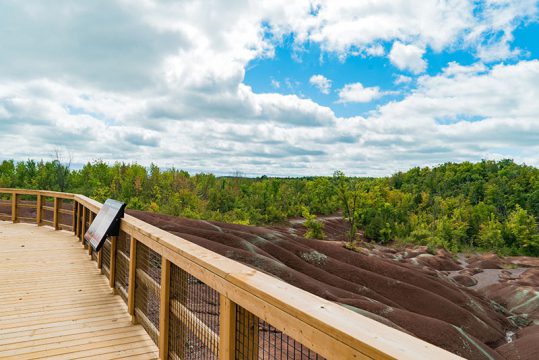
(492, 205)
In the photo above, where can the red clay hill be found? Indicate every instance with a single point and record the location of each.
(479, 307)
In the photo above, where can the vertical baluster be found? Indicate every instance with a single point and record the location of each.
(74, 220)
(83, 224)
(55, 217)
(164, 308)
(113, 243)
(77, 218)
(227, 329)
(132, 276)
(92, 217)
(14, 207)
(39, 209)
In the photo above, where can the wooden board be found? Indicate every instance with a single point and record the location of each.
(55, 304)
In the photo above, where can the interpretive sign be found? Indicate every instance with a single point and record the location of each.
(106, 223)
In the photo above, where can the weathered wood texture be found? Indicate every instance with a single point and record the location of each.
(55, 304)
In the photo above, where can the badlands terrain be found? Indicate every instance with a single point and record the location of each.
(479, 306)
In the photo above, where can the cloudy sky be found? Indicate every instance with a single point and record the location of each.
(270, 87)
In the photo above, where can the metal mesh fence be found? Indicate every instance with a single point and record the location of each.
(105, 258)
(65, 215)
(256, 339)
(193, 317)
(147, 289)
(5, 207)
(26, 208)
(47, 213)
(121, 281)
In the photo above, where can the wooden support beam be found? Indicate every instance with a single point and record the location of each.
(113, 244)
(39, 209)
(100, 258)
(14, 207)
(83, 225)
(132, 276)
(77, 218)
(55, 217)
(227, 329)
(164, 309)
(74, 220)
(92, 217)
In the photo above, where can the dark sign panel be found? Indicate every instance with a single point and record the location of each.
(106, 223)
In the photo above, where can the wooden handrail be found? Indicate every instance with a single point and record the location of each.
(327, 328)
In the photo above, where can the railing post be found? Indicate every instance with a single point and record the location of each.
(100, 259)
(14, 207)
(92, 217)
(77, 219)
(164, 308)
(55, 216)
(39, 209)
(132, 276)
(83, 224)
(227, 329)
(113, 242)
(74, 220)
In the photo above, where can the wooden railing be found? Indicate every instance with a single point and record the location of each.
(190, 299)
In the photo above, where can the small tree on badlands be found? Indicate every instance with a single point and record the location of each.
(315, 228)
(349, 197)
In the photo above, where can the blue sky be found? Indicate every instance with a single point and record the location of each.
(271, 87)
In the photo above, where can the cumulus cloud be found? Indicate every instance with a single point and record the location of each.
(408, 57)
(402, 79)
(358, 93)
(321, 82)
(163, 81)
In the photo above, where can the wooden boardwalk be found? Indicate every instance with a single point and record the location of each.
(55, 304)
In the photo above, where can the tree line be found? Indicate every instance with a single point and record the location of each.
(491, 205)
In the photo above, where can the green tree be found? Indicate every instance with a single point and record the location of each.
(315, 228)
(523, 228)
(491, 234)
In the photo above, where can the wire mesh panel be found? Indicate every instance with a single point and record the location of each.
(147, 289)
(5, 207)
(26, 208)
(47, 211)
(65, 214)
(121, 280)
(105, 258)
(256, 339)
(193, 317)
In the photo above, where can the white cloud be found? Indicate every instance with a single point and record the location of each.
(321, 82)
(408, 57)
(376, 50)
(275, 84)
(163, 81)
(402, 79)
(358, 93)
(454, 69)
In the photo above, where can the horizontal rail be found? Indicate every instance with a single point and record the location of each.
(327, 328)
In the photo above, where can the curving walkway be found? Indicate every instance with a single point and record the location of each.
(55, 304)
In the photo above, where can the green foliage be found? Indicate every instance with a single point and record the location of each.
(491, 234)
(493, 205)
(523, 228)
(315, 228)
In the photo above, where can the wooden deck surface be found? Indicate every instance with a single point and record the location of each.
(54, 303)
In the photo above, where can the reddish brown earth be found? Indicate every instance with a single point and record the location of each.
(436, 297)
